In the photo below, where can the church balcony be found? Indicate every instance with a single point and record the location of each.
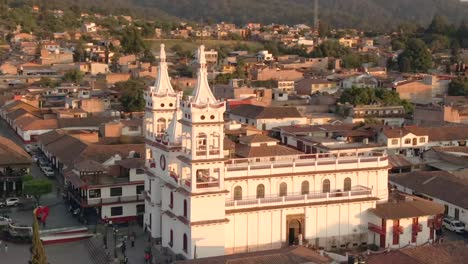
(239, 168)
(297, 198)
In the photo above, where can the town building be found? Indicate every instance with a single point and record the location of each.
(444, 188)
(14, 164)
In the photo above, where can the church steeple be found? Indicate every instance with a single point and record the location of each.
(202, 94)
(174, 130)
(163, 86)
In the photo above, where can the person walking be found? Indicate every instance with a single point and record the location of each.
(6, 248)
(147, 257)
(132, 239)
(123, 247)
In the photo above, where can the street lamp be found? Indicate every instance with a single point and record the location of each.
(115, 241)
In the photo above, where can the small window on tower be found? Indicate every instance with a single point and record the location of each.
(202, 117)
(212, 117)
(171, 105)
(162, 105)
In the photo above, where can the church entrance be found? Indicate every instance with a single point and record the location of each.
(295, 229)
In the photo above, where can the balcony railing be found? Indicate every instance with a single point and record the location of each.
(359, 191)
(303, 163)
(376, 229)
(113, 200)
(202, 185)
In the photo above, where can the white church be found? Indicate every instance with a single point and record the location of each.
(201, 202)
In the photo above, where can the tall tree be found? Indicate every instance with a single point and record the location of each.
(132, 41)
(416, 57)
(38, 253)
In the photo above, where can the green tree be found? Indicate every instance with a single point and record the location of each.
(38, 255)
(79, 54)
(132, 98)
(459, 87)
(330, 48)
(368, 96)
(148, 56)
(439, 25)
(74, 76)
(36, 187)
(132, 41)
(416, 57)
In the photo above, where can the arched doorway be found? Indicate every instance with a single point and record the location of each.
(294, 231)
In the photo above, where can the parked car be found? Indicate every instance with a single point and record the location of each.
(44, 167)
(4, 220)
(13, 201)
(30, 148)
(49, 172)
(43, 162)
(453, 225)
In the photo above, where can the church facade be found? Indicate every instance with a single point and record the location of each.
(202, 202)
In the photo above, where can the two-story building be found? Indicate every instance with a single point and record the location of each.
(107, 191)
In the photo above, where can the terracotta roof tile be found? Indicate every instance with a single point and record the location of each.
(439, 184)
(11, 153)
(408, 207)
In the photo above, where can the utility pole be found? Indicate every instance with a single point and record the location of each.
(316, 16)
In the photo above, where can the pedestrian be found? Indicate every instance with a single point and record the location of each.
(6, 248)
(132, 239)
(147, 258)
(123, 247)
(125, 260)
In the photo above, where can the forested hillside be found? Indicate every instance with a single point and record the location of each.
(366, 14)
(363, 14)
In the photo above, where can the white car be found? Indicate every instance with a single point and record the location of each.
(13, 201)
(49, 172)
(453, 225)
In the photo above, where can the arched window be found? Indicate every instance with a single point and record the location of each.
(185, 208)
(238, 193)
(160, 126)
(305, 187)
(171, 238)
(326, 186)
(171, 202)
(260, 191)
(347, 184)
(184, 243)
(201, 141)
(283, 189)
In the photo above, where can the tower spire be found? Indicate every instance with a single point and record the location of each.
(163, 83)
(202, 93)
(174, 130)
